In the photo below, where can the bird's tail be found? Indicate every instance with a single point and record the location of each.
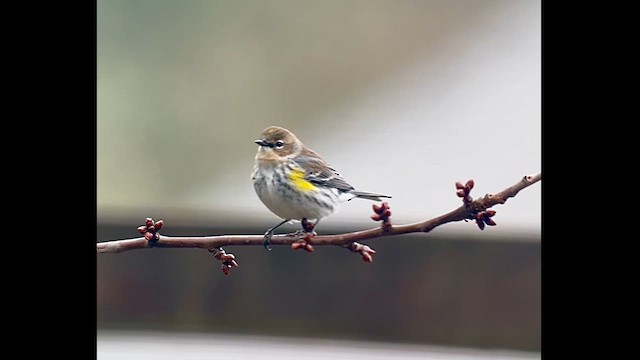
(368, 195)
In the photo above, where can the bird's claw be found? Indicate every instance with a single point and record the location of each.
(267, 240)
(302, 234)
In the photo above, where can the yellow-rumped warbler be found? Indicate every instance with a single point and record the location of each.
(295, 183)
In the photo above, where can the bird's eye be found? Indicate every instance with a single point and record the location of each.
(279, 144)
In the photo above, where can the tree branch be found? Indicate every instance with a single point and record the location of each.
(477, 210)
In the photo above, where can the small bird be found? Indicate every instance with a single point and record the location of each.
(296, 183)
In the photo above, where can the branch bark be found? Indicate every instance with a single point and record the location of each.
(477, 210)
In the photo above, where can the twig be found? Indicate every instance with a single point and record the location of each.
(477, 210)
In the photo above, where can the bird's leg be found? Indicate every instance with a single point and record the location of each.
(308, 226)
(269, 234)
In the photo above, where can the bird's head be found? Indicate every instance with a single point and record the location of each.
(277, 143)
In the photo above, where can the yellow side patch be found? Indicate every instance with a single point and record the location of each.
(299, 183)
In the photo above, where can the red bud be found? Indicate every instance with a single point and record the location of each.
(149, 222)
(227, 257)
(366, 248)
(490, 212)
(480, 224)
(489, 221)
(142, 229)
(225, 269)
(461, 193)
(159, 224)
(469, 184)
(459, 185)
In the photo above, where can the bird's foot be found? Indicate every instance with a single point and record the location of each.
(269, 234)
(266, 240)
(301, 234)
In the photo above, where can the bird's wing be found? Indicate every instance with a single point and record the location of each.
(318, 172)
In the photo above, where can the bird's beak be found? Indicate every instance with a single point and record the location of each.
(261, 143)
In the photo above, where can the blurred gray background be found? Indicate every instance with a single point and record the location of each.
(401, 97)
